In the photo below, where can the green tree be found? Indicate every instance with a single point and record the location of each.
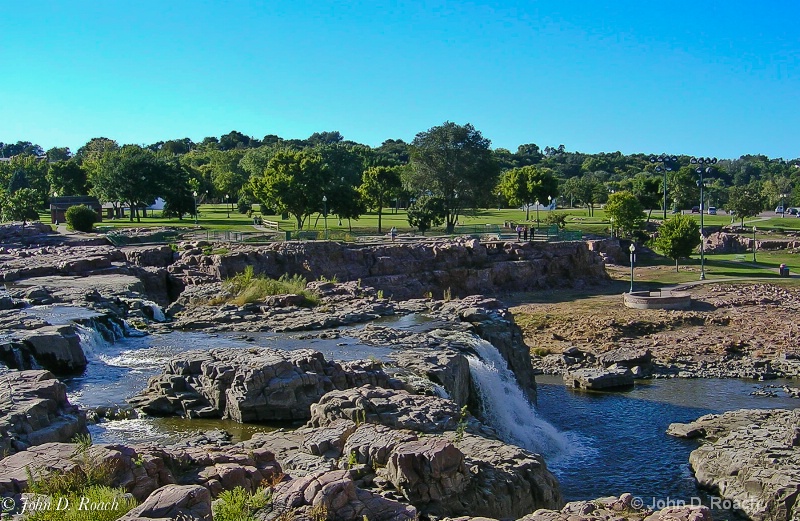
(131, 175)
(20, 205)
(677, 237)
(67, 178)
(426, 212)
(746, 201)
(626, 210)
(379, 184)
(454, 163)
(293, 182)
(648, 190)
(682, 186)
(515, 188)
(571, 189)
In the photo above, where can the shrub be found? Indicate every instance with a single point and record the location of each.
(81, 218)
(246, 288)
(119, 503)
(240, 505)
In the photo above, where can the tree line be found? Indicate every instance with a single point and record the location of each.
(444, 172)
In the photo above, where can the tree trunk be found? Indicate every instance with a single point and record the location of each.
(527, 211)
(380, 211)
(299, 222)
(676, 266)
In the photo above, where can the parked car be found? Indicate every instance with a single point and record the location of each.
(712, 210)
(794, 211)
(779, 209)
(695, 209)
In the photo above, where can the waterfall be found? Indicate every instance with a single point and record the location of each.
(506, 407)
(93, 342)
(158, 313)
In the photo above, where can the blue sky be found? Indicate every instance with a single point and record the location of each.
(701, 77)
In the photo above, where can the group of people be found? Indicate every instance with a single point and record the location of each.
(522, 232)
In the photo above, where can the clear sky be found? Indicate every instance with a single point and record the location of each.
(701, 77)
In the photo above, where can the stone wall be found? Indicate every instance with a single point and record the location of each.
(462, 266)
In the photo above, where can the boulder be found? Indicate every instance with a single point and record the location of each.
(599, 379)
(35, 410)
(335, 493)
(445, 367)
(393, 408)
(626, 357)
(184, 502)
(430, 473)
(258, 384)
(57, 348)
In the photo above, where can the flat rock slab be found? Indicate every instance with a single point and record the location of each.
(599, 379)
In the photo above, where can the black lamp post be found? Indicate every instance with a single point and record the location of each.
(701, 170)
(227, 206)
(195, 207)
(667, 163)
(537, 214)
(632, 249)
(754, 244)
(783, 213)
(325, 214)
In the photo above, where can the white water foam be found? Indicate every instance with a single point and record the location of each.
(506, 407)
(92, 342)
(158, 313)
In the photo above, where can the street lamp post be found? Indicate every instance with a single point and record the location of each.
(611, 220)
(227, 206)
(701, 170)
(499, 194)
(666, 166)
(325, 214)
(537, 214)
(194, 194)
(783, 213)
(549, 203)
(754, 244)
(632, 249)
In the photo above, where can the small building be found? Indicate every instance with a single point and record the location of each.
(60, 205)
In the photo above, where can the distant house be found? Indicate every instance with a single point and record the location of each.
(60, 205)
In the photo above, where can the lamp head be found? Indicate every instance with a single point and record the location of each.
(632, 248)
(324, 198)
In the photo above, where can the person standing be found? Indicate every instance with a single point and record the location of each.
(393, 233)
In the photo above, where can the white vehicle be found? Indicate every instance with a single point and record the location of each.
(712, 210)
(779, 209)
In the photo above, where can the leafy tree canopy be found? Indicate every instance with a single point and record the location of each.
(626, 210)
(677, 237)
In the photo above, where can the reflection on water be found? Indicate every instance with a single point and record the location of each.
(625, 448)
(173, 430)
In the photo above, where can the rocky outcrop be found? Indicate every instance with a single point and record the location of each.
(462, 266)
(622, 508)
(406, 447)
(258, 384)
(751, 457)
(35, 410)
(336, 494)
(395, 409)
(140, 470)
(184, 502)
(56, 348)
(599, 379)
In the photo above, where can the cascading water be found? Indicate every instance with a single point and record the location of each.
(92, 340)
(505, 406)
(158, 313)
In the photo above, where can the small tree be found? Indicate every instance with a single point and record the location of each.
(626, 210)
(677, 237)
(81, 218)
(426, 212)
(20, 205)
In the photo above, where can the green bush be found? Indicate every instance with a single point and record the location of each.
(81, 218)
(240, 505)
(247, 288)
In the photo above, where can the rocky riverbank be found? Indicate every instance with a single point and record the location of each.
(732, 331)
(751, 458)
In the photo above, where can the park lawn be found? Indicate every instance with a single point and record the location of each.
(661, 271)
